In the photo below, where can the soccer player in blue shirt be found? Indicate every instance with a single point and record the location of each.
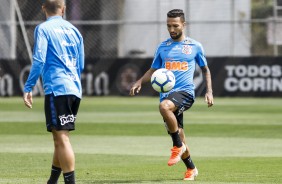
(58, 56)
(180, 54)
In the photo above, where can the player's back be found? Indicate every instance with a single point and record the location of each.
(64, 57)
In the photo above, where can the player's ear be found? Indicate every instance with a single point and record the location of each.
(184, 24)
(63, 10)
(43, 9)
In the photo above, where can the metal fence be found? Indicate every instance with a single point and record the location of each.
(134, 28)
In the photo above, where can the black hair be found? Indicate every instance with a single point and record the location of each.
(176, 13)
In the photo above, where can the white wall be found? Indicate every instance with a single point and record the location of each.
(221, 39)
(208, 22)
(147, 33)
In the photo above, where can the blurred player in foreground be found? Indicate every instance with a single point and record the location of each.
(58, 56)
(179, 54)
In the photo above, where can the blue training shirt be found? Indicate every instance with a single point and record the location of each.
(181, 58)
(58, 56)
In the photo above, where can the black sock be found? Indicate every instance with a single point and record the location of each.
(69, 178)
(189, 163)
(176, 139)
(55, 174)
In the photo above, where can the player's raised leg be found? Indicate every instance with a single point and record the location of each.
(166, 109)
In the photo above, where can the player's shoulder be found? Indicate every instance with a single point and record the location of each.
(45, 25)
(191, 41)
(69, 25)
(42, 25)
(41, 28)
(167, 42)
(56, 24)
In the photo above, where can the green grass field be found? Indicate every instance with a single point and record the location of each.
(123, 140)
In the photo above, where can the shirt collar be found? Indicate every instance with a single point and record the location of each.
(54, 17)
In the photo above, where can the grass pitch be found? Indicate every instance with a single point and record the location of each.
(123, 140)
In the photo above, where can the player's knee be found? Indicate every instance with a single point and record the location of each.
(61, 139)
(164, 106)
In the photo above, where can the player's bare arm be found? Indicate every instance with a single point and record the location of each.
(27, 97)
(135, 89)
(208, 95)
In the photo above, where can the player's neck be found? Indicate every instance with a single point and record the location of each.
(47, 17)
(58, 13)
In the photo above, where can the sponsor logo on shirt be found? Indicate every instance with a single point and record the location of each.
(71, 61)
(64, 31)
(73, 77)
(176, 65)
(66, 44)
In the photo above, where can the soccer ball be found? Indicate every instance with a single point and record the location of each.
(163, 80)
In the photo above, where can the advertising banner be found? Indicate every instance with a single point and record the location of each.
(242, 77)
(250, 77)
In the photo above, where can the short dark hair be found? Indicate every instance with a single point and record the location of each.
(176, 13)
(52, 6)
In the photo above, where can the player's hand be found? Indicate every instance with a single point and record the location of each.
(27, 97)
(135, 89)
(209, 99)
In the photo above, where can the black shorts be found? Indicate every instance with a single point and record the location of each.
(183, 101)
(61, 111)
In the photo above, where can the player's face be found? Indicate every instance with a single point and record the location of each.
(175, 28)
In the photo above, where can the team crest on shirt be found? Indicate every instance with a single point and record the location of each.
(187, 49)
